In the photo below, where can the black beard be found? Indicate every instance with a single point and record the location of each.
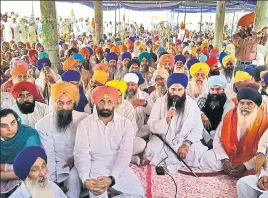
(179, 106)
(64, 119)
(215, 72)
(105, 113)
(263, 91)
(213, 109)
(144, 68)
(228, 73)
(26, 107)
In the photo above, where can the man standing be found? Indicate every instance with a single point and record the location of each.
(57, 132)
(103, 149)
(6, 29)
(29, 110)
(30, 166)
(172, 117)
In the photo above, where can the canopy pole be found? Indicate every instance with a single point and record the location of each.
(119, 12)
(232, 30)
(185, 15)
(201, 18)
(219, 24)
(115, 21)
(177, 24)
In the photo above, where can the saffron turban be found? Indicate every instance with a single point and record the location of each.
(23, 86)
(20, 62)
(33, 54)
(102, 92)
(60, 88)
(25, 159)
(228, 58)
(43, 62)
(202, 58)
(246, 20)
(248, 93)
(118, 84)
(130, 45)
(187, 49)
(43, 55)
(211, 61)
(79, 57)
(98, 50)
(145, 55)
(181, 58)
(161, 72)
(166, 58)
(241, 76)
(142, 46)
(131, 77)
(133, 61)
(199, 66)
(71, 75)
(84, 51)
(191, 62)
(123, 47)
(19, 70)
(222, 55)
(126, 55)
(100, 76)
(101, 66)
(111, 56)
(265, 78)
(141, 79)
(177, 78)
(217, 80)
(68, 63)
(115, 50)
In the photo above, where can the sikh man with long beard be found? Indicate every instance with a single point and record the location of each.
(197, 87)
(160, 77)
(214, 107)
(103, 149)
(179, 66)
(111, 59)
(29, 110)
(30, 166)
(57, 132)
(145, 60)
(167, 62)
(237, 137)
(141, 101)
(228, 62)
(172, 117)
(123, 68)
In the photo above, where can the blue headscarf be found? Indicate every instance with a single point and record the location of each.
(43, 62)
(177, 78)
(126, 55)
(221, 56)
(111, 56)
(71, 75)
(80, 57)
(80, 106)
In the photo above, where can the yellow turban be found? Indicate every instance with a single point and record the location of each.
(100, 76)
(199, 66)
(142, 46)
(137, 42)
(161, 72)
(227, 59)
(115, 50)
(118, 84)
(204, 45)
(66, 88)
(242, 76)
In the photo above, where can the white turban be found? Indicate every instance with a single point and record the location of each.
(131, 77)
(187, 49)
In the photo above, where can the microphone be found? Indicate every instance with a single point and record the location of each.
(175, 100)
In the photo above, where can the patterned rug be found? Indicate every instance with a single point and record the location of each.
(206, 185)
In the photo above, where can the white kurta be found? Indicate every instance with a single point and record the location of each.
(263, 143)
(265, 102)
(40, 110)
(59, 148)
(16, 28)
(180, 130)
(7, 101)
(190, 91)
(154, 96)
(22, 192)
(7, 34)
(103, 150)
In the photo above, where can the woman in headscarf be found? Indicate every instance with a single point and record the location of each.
(14, 138)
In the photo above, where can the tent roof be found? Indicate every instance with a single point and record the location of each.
(177, 6)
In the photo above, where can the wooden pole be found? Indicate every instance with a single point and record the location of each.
(201, 18)
(115, 20)
(98, 21)
(219, 24)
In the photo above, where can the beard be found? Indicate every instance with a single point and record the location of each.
(105, 113)
(144, 68)
(179, 106)
(264, 90)
(179, 70)
(39, 188)
(228, 73)
(26, 107)
(214, 72)
(64, 119)
(112, 71)
(198, 88)
(161, 90)
(131, 94)
(246, 118)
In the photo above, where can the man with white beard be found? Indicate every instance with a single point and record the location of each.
(160, 79)
(30, 166)
(57, 132)
(237, 137)
(112, 59)
(141, 101)
(197, 87)
(172, 117)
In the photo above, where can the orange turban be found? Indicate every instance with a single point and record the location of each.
(66, 88)
(130, 45)
(23, 86)
(19, 70)
(137, 42)
(166, 58)
(247, 20)
(68, 63)
(98, 50)
(101, 66)
(123, 47)
(115, 50)
(155, 47)
(84, 51)
(182, 25)
(111, 45)
(102, 92)
(28, 45)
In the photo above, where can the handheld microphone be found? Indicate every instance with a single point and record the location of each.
(175, 100)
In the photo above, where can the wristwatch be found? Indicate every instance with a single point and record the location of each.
(187, 144)
(145, 103)
(113, 181)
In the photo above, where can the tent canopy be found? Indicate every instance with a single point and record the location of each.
(176, 6)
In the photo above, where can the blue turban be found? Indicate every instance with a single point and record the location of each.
(202, 58)
(249, 93)
(43, 62)
(145, 55)
(79, 56)
(132, 38)
(221, 56)
(223, 44)
(61, 42)
(161, 50)
(71, 75)
(141, 79)
(191, 62)
(177, 78)
(266, 79)
(217, 80)
(42, 55)
(111, 56)
(25, 160)
(126, 55)
(149, 42)
(185, 43)
(181, 58)
(250, 69)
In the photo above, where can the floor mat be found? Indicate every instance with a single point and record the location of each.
(207, 185)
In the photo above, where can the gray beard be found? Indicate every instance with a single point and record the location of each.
(131, 95)
(39, 190)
